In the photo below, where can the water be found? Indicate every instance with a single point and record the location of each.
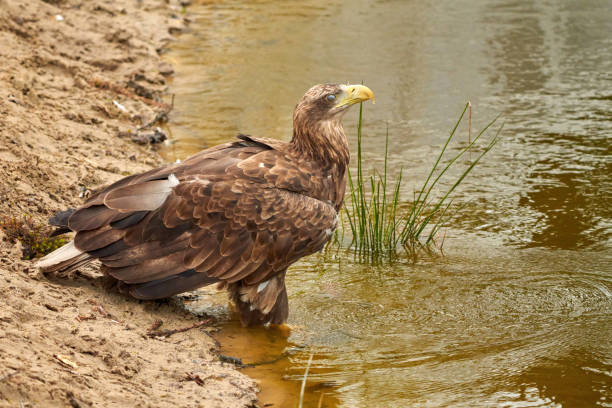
(518, 311)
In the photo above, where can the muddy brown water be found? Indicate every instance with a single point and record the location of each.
(518, 311)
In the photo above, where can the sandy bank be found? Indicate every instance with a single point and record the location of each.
(76, 78)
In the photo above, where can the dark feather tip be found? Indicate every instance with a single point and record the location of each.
(60, 231)
(60, 218)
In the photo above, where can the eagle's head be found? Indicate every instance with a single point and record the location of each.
(317, 127)
(330, 101)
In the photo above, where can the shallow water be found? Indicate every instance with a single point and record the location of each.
(518, 311)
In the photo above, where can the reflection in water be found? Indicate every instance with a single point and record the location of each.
(578, 379)
(267, 354)
(519, 311)
(270, 352)
(554, 67)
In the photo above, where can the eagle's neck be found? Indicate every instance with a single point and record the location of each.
(322, 141)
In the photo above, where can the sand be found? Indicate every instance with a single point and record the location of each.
(77, 79)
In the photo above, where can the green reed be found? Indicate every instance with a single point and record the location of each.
(381, 223)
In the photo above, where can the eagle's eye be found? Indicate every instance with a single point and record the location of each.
(331, 97)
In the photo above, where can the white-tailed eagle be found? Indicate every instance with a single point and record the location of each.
(238, 214)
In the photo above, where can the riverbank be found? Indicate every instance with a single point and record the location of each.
(77, 81)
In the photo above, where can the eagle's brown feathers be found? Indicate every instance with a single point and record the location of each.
(239, 213)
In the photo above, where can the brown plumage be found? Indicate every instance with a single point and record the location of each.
(239, 213)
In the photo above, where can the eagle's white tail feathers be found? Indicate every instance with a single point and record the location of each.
(58, 256)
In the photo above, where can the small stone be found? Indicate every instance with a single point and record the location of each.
(156, 136)
(165, 69)
(176, 26)
(140, 89)
(119, 36)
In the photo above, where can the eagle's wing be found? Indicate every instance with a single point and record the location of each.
(212, 218)
(231, 232)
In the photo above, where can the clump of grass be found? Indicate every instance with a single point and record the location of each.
(381, 223)
(36, 239)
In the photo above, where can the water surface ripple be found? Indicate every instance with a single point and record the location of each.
(518, 312)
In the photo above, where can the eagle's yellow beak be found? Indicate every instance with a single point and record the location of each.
(353, 94)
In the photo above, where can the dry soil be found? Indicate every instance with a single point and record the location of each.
(77, 78)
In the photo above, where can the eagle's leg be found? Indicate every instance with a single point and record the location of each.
(263, 303)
